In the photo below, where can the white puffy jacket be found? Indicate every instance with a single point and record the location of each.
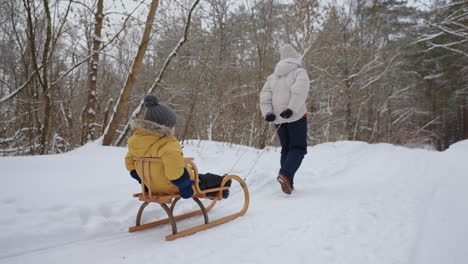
(287, 87)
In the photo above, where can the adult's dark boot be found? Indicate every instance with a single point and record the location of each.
(286, 186)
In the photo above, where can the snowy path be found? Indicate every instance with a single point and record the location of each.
(354, 203)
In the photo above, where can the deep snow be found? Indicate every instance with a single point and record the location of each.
(354, 203)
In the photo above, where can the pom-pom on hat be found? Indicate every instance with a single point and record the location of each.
(159, 113)
(287, 51)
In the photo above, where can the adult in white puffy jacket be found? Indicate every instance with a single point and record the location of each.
(282, 100)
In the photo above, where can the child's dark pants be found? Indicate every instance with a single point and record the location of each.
(206, 181)
(209, 181)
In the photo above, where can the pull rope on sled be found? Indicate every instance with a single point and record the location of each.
(258, 155)
(261, 152)
(237, 161)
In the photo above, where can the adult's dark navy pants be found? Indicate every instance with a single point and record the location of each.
(293, 138)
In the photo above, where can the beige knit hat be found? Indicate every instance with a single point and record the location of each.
(287, 51)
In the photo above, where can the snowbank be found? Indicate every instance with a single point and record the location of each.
(354, 203)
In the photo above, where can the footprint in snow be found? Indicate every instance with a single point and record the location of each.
(84, 213)
(129, 207)
(21, 210)
(9, 200)
(106, 210)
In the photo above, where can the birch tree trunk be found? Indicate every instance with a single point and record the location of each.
(89, 114)
(45, 139)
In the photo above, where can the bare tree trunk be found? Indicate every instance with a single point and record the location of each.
(33, 91)
(348, 125)
(45, 140)
(158, 80)
(106, 113)
(258, 114)
(89, 121)
(193, 104)
(348, 115)
(261, 45)
(128, 87)
(43, 81)
(465, 117)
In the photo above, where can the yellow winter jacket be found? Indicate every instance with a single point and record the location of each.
(156, 141)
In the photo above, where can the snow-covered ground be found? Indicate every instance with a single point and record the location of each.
(354, 203)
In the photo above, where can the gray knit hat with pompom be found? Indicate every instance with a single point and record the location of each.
(159, 113)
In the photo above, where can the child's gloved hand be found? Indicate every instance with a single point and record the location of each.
(270, 117)
(184, 183)
(187, 192)
(286, 113)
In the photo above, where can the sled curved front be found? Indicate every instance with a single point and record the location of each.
(163, 200)
(221, 220)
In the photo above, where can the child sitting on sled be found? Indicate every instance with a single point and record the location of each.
(154, 138)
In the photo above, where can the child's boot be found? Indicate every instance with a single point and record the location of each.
(225, 193)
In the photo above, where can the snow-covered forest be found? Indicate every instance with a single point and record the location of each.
(72, 71)
(385, 134)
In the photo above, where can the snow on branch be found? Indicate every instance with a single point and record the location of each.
(427, 124)
(15, 92)
(448, 31)
(452, 4)
(367, 67)
(403, 116)
(447, 47)
(428, 37)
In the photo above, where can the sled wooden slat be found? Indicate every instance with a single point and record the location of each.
(167, 220)
(199, 228)
(214, 194)
(169, 197)
(158, 159)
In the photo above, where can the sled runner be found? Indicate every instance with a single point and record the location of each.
(164, 200)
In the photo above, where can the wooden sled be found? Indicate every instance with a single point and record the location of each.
(164, 200)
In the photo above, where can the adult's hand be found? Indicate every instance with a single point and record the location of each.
(270, 117)
(286, 113)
